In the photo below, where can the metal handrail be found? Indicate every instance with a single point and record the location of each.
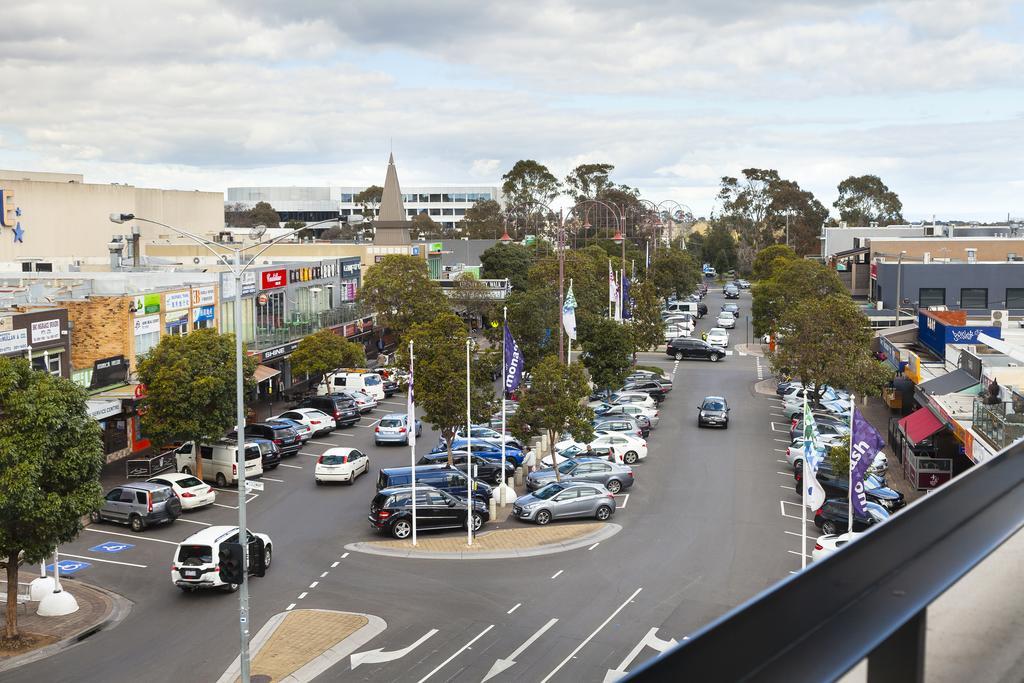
(868, 600)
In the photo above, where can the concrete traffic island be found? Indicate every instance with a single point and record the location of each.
(495, 545)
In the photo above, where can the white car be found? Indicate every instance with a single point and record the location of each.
(628, 449)
(634, 409)
(795, 451)
(341, 464)
(191, 492)
(635, 397)
(196, 559)
(829, 543)
(718, 337)
(673, 331)
(318, 421)
(364, 402)
(726, 320)
(793, 406)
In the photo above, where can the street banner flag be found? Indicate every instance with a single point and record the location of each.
(627, 307)
(865, 444)
(813, 454)
(569, 313)
(513, 362)
(613, 291)
(410, 408)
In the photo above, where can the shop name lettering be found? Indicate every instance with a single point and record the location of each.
(108, 364)
(965, 335)
(272, 279)
(856, 453)
(513, 368)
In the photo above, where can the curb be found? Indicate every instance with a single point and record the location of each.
(766, 387)
(119, 609)
(605, 532)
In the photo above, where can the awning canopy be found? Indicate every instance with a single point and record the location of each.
(102, 408)
(950, 383)
(919, 425)
(263, 373)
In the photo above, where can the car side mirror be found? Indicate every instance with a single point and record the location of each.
(452, 503)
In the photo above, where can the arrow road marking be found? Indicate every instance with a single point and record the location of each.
(379, 655)
(503, 664)
(650, 640)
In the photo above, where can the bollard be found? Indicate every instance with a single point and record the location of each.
(492, 508)
(519, 475)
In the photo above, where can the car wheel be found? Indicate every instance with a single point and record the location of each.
(95, 518)
(222, 482)
(229, 587)
(266, 557)
(543, 517)
(136, 523)
(630, 458)
(478, 522)
(614, 486)
(603, 513)
(318, 482)
(679, 355)
(715, 357)
(401, 529)
(185, 589)
(828, 527)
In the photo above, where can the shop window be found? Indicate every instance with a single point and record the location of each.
(435, 197)
(931, 296)
(49, 364)
(202, 324)
(145, 342)
(1014, 297)
(974, 297)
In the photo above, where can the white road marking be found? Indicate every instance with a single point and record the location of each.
(785, 474)
(783, 429)
(510, 661)
(517, 605)
(778, 450)
(379, 656)
(314, 584)
(590, 637)
(594, 546)
(783, 486)
(625, 500)
(279, 481)
(783, 441)
(229, 507)
(797, 553)
(650, 640)
(344, 556)
(192, 521)
(784, 503)
(325, 443)
(138, 536)
(793, 533)
(776, 414)
(557, 574)
(334, 564)
(302, 595)
(324, 574)
(96, 559)
(289, 607)
(460, 651)
(293, 467)
(784, 462)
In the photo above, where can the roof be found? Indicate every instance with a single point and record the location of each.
(391, 206)
(263, 373)
(210, 534)
(852, 252)
(950, 383)
(919, 425)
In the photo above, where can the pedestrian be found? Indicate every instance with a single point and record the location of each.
(704, 336)
(530, 459)
(590, 451)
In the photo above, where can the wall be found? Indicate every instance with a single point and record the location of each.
(290, 251)
(101, 328)
(989, 248)
(841, 239)
(996, 277)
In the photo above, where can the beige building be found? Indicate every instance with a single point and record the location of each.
(963, 249)
(64, 223)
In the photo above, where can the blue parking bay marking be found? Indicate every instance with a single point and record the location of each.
(111, 547)
(69, 567)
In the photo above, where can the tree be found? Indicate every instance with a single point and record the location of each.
(529, 182)
(758, 206)
(720, 247)
(793, 282)
(607, 352)
(866, 199)
(237, 216)
(553, 403)
(369, 199)
(588, 181)
(694, 242)
(50, 461)
(400, 291)
(534, 319)
(473, 296)
(440, 376)
(764, 263)
(647, 328)
(298, 225)
(324, 351)
(746, 203)
(510, 261)
(796, 216)
(190, 388)
(482, 221)
(674, 271)
(264, 214)
(423, 227)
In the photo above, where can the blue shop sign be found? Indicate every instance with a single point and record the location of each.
(202, 313)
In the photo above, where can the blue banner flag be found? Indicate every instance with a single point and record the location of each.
(513, 362)
(865, 444)
(627, 308)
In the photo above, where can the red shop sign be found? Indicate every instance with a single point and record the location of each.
(271, 279)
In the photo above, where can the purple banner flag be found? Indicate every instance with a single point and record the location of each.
(513, 362)
(865, 444)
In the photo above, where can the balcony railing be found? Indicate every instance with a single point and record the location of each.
(1000, 423)
(302, 325)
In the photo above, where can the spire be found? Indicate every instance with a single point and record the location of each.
(391, 207)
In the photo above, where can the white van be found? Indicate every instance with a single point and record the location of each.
(366, 381)
(220, 464)
(682, 307)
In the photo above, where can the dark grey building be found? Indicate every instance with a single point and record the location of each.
(975, 287)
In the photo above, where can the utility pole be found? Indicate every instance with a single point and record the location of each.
(561, 280)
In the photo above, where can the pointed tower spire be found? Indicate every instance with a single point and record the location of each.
(392, 224)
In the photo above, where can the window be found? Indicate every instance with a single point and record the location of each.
(587, 493)
(424, 198)
(114, 495)
(564, 496)
(435, 197)
(974, 297)
(40, 363)
(202, 324)
(931, 296)
(144, 342)
(435, 212)
(460, 212)
(447, 212)
(346, 198)
(1014, 297)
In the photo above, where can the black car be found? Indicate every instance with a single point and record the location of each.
(685, 348)
(837, 485)
(341, 408)
(391, 511)
(651, 387)
(283, 436)
(390, 387)
(486, 469)
(713, 411)
(270, 452)
(731, 291)
(832, 517)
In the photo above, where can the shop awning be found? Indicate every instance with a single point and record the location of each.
(102, 408)
(950, 383)
(264, 372)
(919, 425)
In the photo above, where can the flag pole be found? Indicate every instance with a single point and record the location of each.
(803, 498)
(411, 410)
(504, 374)
(469, 457)
(849, 453)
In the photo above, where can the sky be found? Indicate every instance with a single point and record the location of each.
(210, 94)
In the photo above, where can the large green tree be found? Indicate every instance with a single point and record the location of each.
(484, 220)
(264, 214)
(324, 351)
(529, 182)
(764, 263)
(369, 200)
(554, 403)
(400, 291)
(607, 352)
(190, 388)
(793, 282)
(758, 205)
(588, 181)
(866, 199)
(50, 461)
(510, 261)
(674, 271)
(647, 327)
(424, 227)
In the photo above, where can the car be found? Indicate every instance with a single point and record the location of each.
(637, 397)
(744, 284)
(673, 331)
(725, 319)
(633, 410)
(441, 477)
(835, 424)
(793, 406)
(394, 428)
(686, 349)
(685, 320)
(619, 423)
(282, 435)
(304, 432)
(827, 394)
(342, 408)
(626, 448)
(713, 411)
(732, 308)
(702, 310)
(340, 464)
(139, 504)
(270, 453)
(196, 559)
(391, 511)
(317, 420)
(600, 407)
(219, 461)
(485, 432)
(191, 492)
(563, 500)
(364, 401)
(837, 485)
(486, 469)
(648, 375)
(612, 476)
(731, 291)
(484, 448)
(795, 451)
(830, 543)
(718, 337)
(651, 387)
(832, 516)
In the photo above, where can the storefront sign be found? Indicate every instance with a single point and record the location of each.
(203, 296)
(102, 408)
(202, 313)
(278, 351)
(13, 341)
(172, 321)
(147, 325)
(176, 301)
(272, 279)
(45, 331)
(350, 268)
(108, 371)
(146, 303)
(436, 247)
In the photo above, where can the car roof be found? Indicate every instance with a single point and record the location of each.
(209, 535)
(717, 330)
(395, 416)
(715, 398)
(392, 490)
(419, 468)
(340, 450)
(145, 485)
(173, 476)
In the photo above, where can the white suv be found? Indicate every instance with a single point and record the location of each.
(196, 559)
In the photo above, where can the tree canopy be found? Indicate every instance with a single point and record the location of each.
(647, 327)
(323, 351)
(424, 227)
(674, 272)
(529, 182)
(794, 281)
(607, 351)
(238, 216)
(510, 261)
(400, 291)
(764, 263)
(369, 199)
(866, 199)
(484, 220)
(588, 181)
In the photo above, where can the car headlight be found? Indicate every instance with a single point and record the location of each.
(703, 414)
(531, 506)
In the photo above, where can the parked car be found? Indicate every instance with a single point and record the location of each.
(440, 477)
(600, 407)
(197, 558)
(718, 337)
(317, 420)
(828, 425)
(725, 319)
(485, 432)
(285, 437)
(342, 408)
(627, 449)
(653, 415)
(341, 464)
(394, 428)
(486, 469)
(391, 511)
(744, 284)
(368, 382)
(651, 387)
(139, 504)
(613, 477)
(364, 402)
(191, 492)
(619, 423)
(566, 499)
(702, 310)
(833, 516)
(713, 411)
(827, 394)
(686, 349)
(673, 331)
(837, 485)
(829, 543)
(270, 453)
(637, 397)
(793, 406)
(220, 461)
(483, 448)
(304, 432)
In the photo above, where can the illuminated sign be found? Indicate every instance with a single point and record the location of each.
(272, 279)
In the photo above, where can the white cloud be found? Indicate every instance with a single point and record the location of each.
(485, 168)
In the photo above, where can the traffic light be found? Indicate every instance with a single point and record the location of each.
(232, 563)
(257, 557)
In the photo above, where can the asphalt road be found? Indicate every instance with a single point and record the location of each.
(702, 532)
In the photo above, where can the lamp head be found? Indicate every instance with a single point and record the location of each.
(121, 217)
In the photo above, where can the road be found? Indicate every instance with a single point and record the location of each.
(702, 532)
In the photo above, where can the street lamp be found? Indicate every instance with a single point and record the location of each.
(237, 267)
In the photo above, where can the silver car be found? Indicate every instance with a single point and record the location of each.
(633, 410)
(563, 500)
(394, 428)
(612, 476)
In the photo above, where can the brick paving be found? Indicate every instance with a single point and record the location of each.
(497, 540)
(300, 638)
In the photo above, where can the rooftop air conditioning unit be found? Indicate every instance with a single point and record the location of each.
(999, 318)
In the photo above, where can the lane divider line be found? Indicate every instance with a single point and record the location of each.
(558, 573)
(517, 605)
(457, 653)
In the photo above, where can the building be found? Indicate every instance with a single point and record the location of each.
(40, 334)
(58, 222)
(837, 239)
(978, 287)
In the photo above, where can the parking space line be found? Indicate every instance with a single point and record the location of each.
(793, 533)
(557, 574)
(514, 608)
(294, 467)
(784, 462)
(96, 559)
(303, 594)
(334, 564)
(778, 450)
(783, 441)
(344, 556)
(192, 521)
(314, 584)
(324, 574)
(594, 546)
(783, 486)
(323, 443)
(372, 424)
(625, 499)
(290, 607)
(229, 507)
(279, 481)
(797, 553)
(138, 536)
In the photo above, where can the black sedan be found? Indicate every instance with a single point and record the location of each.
(833, 517)
(713, 411)
(486, 469)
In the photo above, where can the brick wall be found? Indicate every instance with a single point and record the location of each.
(101, 329)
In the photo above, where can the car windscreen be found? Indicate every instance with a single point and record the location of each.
(391, 423)
(197, 553)
(567, 466)
(334, 459)
(713, 405)
(549, 490)
(189, 482)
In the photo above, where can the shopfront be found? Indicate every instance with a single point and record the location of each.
(40, 335)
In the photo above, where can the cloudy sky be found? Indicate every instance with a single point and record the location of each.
(207, 94)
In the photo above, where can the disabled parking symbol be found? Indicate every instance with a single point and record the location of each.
(69, 567)
(111, 547)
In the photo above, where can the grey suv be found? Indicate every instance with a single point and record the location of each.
(139, 504)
